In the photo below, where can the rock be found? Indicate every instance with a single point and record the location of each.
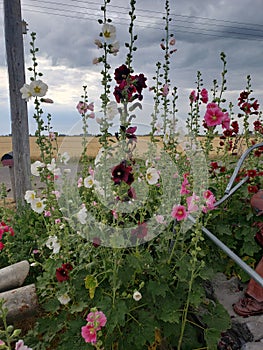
(13, 276)
(21, 302)
(248, 331)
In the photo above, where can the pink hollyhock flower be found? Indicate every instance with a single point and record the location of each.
(179, 212)
(213, 116)
(97, 318)
(89, 334)
(226, 121)
(21, 346)
(114, 214)
(185, 185)
(80, 182)
(209, 201)
(1, 246)
(204, 96)
(47, 213)
(160, 219)
(192, 96)
(82, 107)
(192, 201)
(165, 90)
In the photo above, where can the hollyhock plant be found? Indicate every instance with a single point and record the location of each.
(124, 230)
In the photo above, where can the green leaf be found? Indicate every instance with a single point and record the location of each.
(91, 284)
(51, 305)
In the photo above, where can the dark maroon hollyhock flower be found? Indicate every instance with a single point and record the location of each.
(130, 179)
(243, 97)
(96, 242)
(139, 82)
(140, 231)
(132, 193)
(62, 274)
(257, 153)
(118, 94)
(130, 133)
(255, 105)
(120, 173)
(121, 73)
(246, 107)
(235, 126)
(227, 132)
(257, 125)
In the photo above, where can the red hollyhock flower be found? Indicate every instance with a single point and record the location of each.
(252, 173)
(252, 188)
(62, 274)
(214, 165)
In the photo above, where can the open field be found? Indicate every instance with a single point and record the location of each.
(73, 145)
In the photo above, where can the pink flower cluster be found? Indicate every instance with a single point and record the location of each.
(83, 108)
(96, 320)
(180, 212)
(4, 228)
(194, 97)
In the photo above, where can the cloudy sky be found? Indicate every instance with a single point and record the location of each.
(66, 30)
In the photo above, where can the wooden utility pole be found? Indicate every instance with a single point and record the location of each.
(18, 106)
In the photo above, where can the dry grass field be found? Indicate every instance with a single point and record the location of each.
(73, 145)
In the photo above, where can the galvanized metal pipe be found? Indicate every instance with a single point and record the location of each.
(231, 254)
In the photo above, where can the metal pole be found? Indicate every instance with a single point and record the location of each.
(231, 254)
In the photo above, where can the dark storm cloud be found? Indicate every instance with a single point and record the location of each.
(66, 31)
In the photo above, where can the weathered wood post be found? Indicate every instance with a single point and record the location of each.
(18, 106)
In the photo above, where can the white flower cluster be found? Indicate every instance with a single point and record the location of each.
(35, 88)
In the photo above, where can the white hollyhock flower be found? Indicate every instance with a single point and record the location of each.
(115, 48)
(108, 32)
(38, 205)
(65, 157)
(64, 299)
(30, 196)
(53, 244)
(26, 92)
(36, 167)
(137, 296)
(89, 181)
(152, 176)
(38, 88)
(82, 215)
